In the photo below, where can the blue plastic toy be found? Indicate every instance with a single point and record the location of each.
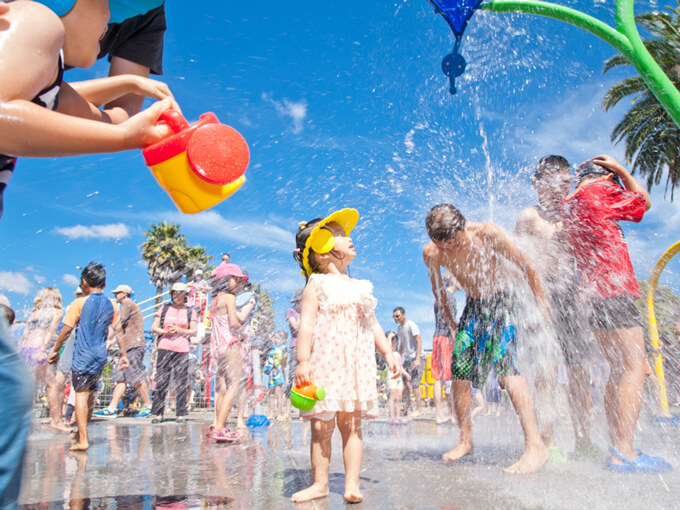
(457, 13)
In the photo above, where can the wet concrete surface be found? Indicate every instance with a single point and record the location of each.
(135, 464)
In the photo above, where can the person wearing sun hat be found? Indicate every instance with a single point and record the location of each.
(337, 340)
(226, 344)
(315, 237)
(175, 325)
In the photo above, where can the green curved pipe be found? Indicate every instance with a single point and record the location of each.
(625, 38)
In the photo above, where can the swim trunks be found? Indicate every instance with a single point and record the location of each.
(442, 349)
(571, 335)
(609, 313)
(485, 339)
(135, 373)
(85, 381)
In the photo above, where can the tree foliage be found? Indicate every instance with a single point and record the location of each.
(169, 256)
(651, 137)
(666, 306)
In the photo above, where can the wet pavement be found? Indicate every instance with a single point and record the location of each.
(134, 464)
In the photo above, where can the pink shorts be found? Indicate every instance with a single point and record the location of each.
(442, 349)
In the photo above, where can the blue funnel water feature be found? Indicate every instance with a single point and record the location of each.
(457, 13)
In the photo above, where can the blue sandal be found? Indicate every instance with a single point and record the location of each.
(642, 464)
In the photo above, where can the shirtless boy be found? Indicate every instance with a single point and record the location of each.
(543, 239)
(485, 263)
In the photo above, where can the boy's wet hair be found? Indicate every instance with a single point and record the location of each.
(443, 222)
(550, 164)
(94, 275)
(399, 309)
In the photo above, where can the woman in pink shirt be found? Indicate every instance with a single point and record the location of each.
(175, 324)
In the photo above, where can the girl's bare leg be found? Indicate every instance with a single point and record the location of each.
(233, 371)
(320, 453)
(391, 405)
(54, 399)
(352, 453)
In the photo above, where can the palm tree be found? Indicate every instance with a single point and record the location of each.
(168, 255)
(652, 139)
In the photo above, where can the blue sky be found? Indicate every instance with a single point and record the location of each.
(343, 105)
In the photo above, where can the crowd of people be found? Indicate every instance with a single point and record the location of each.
(568, 250)
(574, 263)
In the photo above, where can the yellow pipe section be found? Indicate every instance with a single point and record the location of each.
(651, 317)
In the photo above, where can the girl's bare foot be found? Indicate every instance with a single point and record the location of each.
(534, 458)
(314, 491)
(461, 450)
(79, 446)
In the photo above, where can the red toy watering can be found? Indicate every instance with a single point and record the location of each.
(199, 165)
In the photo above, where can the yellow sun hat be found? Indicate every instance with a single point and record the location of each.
(319, 239)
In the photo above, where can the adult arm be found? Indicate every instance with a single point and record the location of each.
(419, 348)
(503, 247)
(156, 327)
(63, 336)
(431, 259)
(629, 182)
(309, 306)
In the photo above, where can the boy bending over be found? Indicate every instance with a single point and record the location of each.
(485, 263)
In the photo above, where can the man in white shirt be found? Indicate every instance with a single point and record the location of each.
(410, 347)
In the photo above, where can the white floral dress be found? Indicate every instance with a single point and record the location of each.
(343, 346)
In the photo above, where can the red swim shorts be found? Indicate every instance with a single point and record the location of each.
(442, 348)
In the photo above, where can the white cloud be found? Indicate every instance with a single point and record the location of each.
(71, 280)
(576, 127)
(15, 282)
(252, 233)
(296, 110)
(111, 231)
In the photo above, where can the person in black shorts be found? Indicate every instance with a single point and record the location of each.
(134, 45)
(605, 195)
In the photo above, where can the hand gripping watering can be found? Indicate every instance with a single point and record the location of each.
(199, 165)
(305, 397)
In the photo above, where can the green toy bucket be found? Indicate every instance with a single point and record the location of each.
(304, 403)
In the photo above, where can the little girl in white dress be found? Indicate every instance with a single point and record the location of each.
(336, 346)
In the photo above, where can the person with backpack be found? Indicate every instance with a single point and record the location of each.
(175, 324)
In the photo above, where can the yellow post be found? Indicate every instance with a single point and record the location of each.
(651, 317)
